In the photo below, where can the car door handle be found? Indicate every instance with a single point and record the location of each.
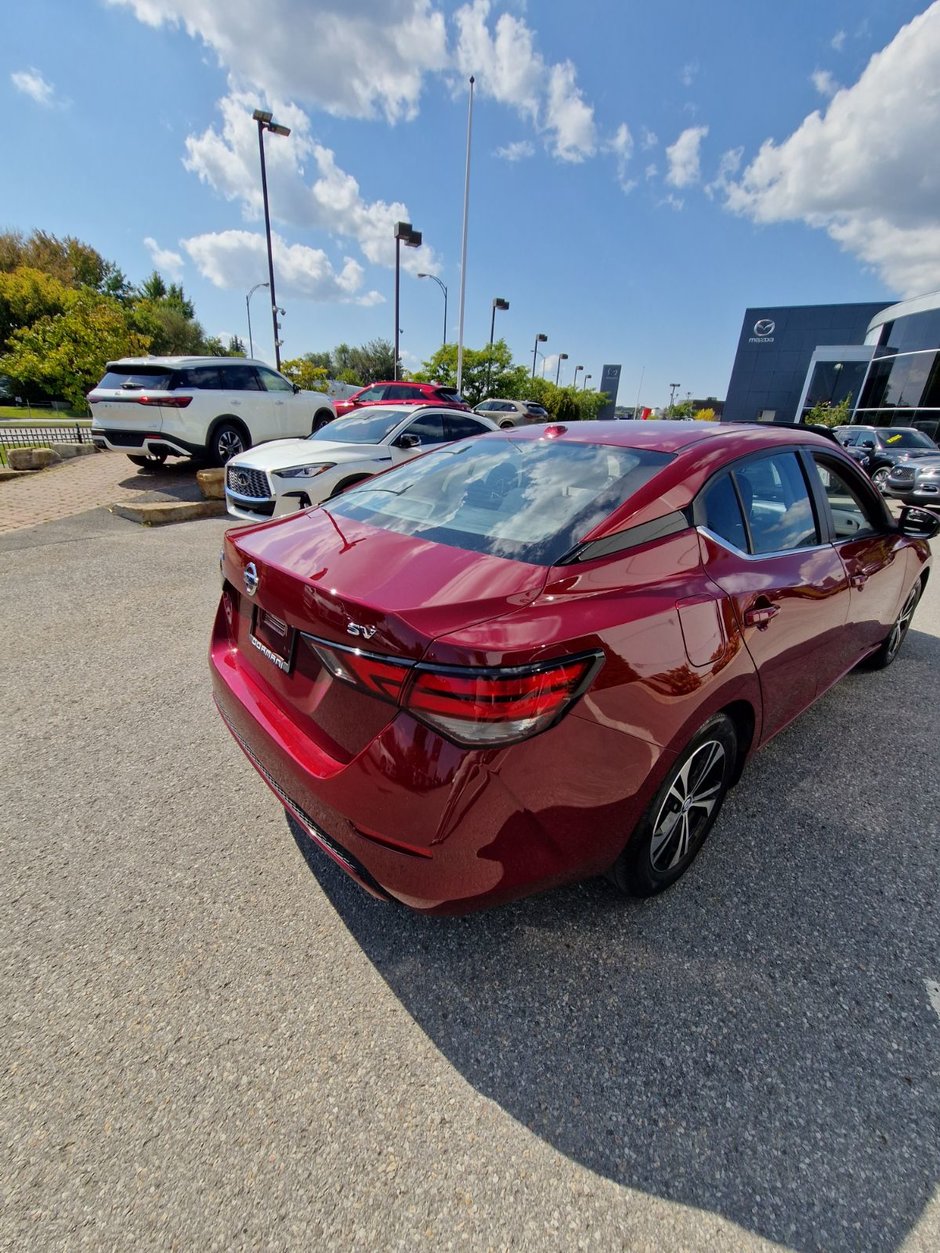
(858, 580)
(761, 616)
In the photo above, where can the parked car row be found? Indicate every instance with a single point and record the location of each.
(547, 652)
(881, 448)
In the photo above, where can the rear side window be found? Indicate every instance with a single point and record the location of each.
(241, 378)
(200, 377)
(530, 500)
(401, 391)
(137, 378)
(448, 394)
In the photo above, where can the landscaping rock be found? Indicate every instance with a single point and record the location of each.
(66, 451)
(31, 458)
(212, 483)
(160, 513)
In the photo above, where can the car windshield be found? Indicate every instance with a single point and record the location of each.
(528, 500)
(134, 378)
(372, 427)
(905, 439)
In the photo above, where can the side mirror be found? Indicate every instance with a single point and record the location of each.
(866, 443)
(408, 440)
(919, 523)
(297, 388)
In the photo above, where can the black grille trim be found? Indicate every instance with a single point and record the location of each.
(247, 482)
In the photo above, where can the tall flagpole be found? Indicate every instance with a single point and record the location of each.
(463, 247)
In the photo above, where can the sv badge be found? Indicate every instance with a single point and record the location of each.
(366, 632)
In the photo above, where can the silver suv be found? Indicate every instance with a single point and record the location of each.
(507, 413)
(211, 408)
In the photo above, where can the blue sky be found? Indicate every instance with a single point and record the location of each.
(640, 173)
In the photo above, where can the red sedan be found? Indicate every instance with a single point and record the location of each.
(402, 392)
(547, 653)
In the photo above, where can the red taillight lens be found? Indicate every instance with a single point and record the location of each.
(377, 675)
(165, 402)
(477, 708)
(492, 707)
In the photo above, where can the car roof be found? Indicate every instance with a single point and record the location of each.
(401, 411)
(181, 361)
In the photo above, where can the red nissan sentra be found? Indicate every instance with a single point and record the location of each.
(546, 653)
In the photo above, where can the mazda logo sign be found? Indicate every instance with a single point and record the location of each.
(251, 578)
(764, 327)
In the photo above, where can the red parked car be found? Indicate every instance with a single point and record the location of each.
(546, 653)
(402, 392)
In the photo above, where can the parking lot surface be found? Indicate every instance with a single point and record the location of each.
(213, 1039)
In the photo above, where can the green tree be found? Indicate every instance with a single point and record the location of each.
(65, 354)
(170, 332)
(826, 414)
(486, 372)
(302, 371)
(27, 294)
(72, 262)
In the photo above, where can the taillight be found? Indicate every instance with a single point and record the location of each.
(165, 402)
(489, 707)
(475, 707)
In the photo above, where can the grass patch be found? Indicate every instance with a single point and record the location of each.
(41, 417)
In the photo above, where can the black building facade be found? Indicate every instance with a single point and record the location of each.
(775, 349)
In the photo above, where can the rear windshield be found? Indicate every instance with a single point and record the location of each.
(370, 427)
(135, 378)
(447, 393)
(529, 500)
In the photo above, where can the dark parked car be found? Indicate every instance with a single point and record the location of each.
(547, 653)
(885, 447)
(915, 482)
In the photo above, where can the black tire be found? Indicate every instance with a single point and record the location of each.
(148, 461)
(322, 419)
(880, 477)
(228, 440)
(891, 645)
(506, 426)
(681, 814)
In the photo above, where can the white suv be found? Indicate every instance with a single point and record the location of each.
(212, 408)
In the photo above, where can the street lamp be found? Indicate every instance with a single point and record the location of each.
(443, 288)
(539, 339)
(265, 123)
(574, 381)
(404, 234)
(562, 356)
(587, 379)
(498, 303)
(251, 347)
(673, 388)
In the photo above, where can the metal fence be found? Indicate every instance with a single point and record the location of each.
(16, 436)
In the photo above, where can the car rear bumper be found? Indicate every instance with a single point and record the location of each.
(142, 442)
(437, 828)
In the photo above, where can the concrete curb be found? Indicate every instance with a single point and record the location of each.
(162, 513)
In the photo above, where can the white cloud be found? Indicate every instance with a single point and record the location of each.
(651, 171)
(728, 166)
(31, 83)
(357, 58)
(234, 259)
(227, 160)
(824, 82)
(621, 145)
(508, 69)
(860, 171)
(687, 73)
(164, 259)
(517, 151)
(648, 139)
(684, 157)
(838, 40)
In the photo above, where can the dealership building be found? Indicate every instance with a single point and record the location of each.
(885, 358)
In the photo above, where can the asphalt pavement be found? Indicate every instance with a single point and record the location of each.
(213, 1039)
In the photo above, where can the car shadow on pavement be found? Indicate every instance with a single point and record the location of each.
(756, 1042)
(176, 480)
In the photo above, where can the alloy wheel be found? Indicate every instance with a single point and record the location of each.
(687, 806)
(902, 622)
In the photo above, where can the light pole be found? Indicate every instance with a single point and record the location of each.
(574, 381)
(265, 123)
(251, 347)
(498, 303)
(587, 379)
(539, 339)
(404, 234)
(562, 356)
(443, 288)
(673, 388)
